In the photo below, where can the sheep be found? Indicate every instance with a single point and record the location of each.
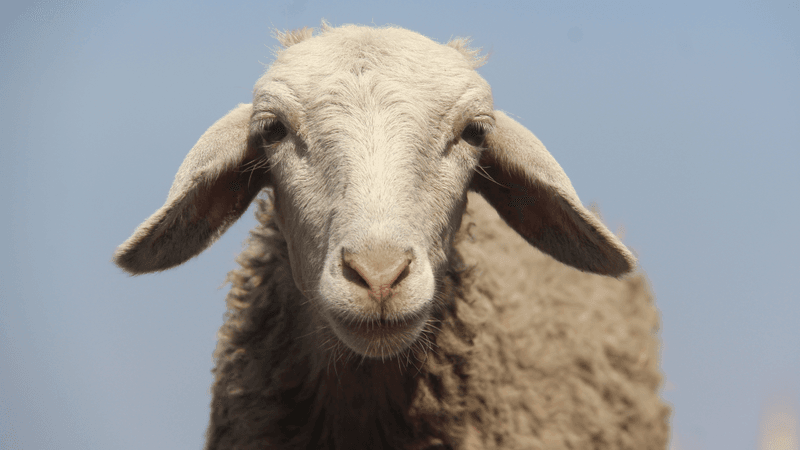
(407, 286)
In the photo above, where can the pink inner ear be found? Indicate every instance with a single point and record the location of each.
(547, 220)
(230, 194)
(527, 208)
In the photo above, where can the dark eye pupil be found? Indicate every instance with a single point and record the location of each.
(274, 132)
(474, 135)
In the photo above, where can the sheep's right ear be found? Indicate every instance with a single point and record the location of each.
(533, 195)
(214, 186)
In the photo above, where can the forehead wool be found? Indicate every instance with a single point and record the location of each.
(347, 83)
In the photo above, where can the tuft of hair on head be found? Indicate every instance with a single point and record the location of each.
(473, 55)
(288, 38)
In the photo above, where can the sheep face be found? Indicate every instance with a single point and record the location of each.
(369, 139)
(372, 137)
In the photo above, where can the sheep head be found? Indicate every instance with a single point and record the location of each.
(370, 139)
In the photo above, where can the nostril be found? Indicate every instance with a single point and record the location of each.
(352, 275)
(402, 275)
(379, 269)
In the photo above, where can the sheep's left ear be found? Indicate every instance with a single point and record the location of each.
(215, 184)
(533, 195)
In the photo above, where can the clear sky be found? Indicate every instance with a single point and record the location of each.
(681, 119)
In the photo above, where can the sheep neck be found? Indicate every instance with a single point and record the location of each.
(325, 396)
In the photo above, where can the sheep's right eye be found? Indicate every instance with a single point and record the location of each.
(273, 132)
(474, 134)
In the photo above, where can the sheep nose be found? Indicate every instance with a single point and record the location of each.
(378, 269)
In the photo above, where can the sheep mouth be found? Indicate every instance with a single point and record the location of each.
(379, 338)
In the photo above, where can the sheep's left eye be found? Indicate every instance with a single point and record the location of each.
(474, 134)
(274, 131)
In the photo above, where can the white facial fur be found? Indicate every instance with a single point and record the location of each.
(372, 165)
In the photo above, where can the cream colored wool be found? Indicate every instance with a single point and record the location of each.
(367, 313)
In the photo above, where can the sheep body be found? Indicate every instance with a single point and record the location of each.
(531, 354)
(367, 313)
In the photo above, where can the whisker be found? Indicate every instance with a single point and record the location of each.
(480, 170)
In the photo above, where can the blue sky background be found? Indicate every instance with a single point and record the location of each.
(681, 119)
